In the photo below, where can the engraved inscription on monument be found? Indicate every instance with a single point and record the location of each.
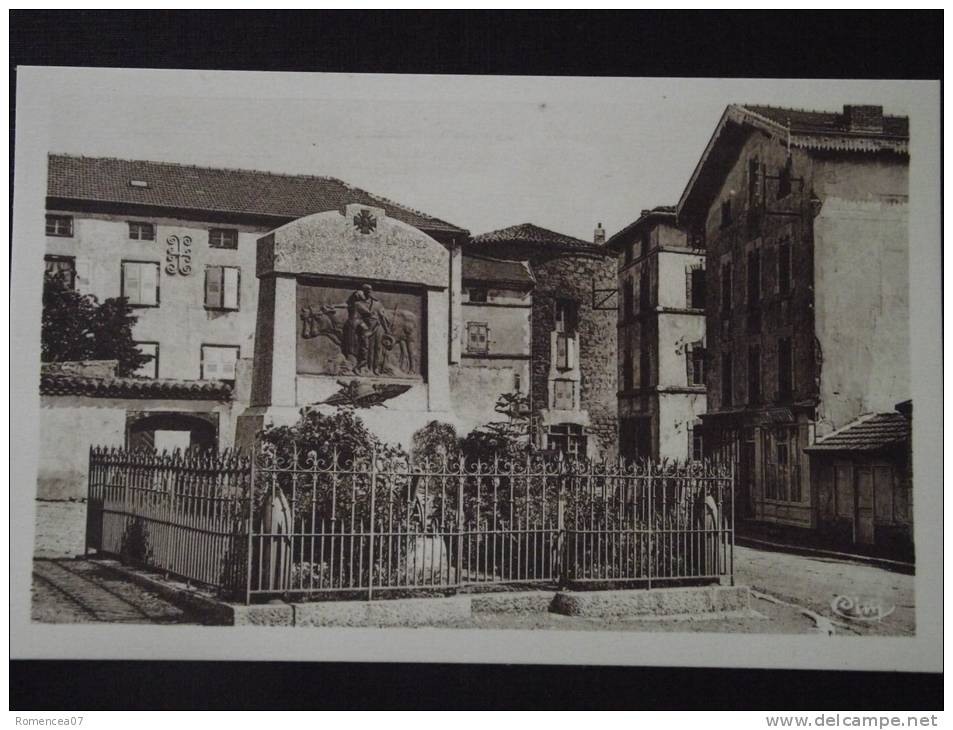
(358, 330)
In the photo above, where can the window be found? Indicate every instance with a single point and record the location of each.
(566, 313)
(565, 352)
(646, 242)
(140, 283)
(754, 290)
(568, 439)
(784, 180)
(785, 369)
(726, 213)
(223, 238)
(222, 287)
(564, 395)
(695, 356)
(478, 337)
(627, 371)
(784, 266)
(695, 445)
(59, 225)
(63, 268)
(727, 380)
(629, 253)
(754, 375)
(696, 287)
(627, 299)
(218, 362)
(754, 278)
(754, 182)
(141, 231)
(478, 295)
(645, 289)
(149, 369)
(726, 285)
(645, 365)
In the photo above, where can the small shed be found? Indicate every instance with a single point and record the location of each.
(862, 475)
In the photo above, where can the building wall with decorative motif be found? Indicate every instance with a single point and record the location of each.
(182, 321)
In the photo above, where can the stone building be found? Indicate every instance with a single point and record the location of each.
(182, 243)
(572, 352)
(661, 338)
(803, 216)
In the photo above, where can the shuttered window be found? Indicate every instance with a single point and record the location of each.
(148, 369)
(218, 362)
(140, 283)
(63, 268)
(478, 337)
(222, 287)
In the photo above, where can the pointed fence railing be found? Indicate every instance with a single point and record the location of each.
(296, 524)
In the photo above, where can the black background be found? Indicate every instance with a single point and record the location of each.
(864, 44)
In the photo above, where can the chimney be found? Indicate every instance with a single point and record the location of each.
(599, 236)
(861, 118)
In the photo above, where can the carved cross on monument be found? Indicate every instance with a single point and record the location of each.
(178, 255)
(365, 222)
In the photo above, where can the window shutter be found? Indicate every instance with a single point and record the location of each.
(688, 287)
(130, 284)
(571, 352)
(149, 283)
(213, 286)
(230, 289)
(228, 359)
(689, 364)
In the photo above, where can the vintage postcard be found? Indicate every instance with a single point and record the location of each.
(576, 370)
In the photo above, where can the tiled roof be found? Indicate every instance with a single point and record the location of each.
(186, 187)
(115, 387)
(873, 432)
(478, 268)
(806, 120)
(528, 233)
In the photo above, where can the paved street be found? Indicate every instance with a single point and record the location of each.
(77, 591)
(814, 582)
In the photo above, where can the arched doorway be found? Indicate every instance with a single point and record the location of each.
(169, 430)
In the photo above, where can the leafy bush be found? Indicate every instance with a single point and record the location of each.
(78, 327)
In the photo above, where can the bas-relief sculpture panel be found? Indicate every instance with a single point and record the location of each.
(357, 330)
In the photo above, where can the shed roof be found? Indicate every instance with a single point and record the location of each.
(873, 432)
(218, 190)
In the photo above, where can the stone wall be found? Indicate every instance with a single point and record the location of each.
(573, 277)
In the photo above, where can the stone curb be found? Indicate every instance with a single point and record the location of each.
(214, 611)
(654, 602)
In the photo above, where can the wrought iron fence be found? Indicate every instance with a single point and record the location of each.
(295, 524)
(186, 514)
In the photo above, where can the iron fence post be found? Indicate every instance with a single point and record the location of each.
(562, 544)
(651, 520)
(251, 519)
(370, 549)
(731, 555)
(460, 477)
